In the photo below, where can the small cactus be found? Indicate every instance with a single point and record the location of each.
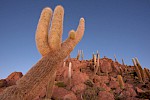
(121, 82)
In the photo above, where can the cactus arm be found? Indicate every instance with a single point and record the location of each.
(69, 44)
(55, 35)
(41, 36)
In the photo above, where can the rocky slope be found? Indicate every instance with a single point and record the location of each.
(86, 85)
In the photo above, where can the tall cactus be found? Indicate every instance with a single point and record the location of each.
(53, 51)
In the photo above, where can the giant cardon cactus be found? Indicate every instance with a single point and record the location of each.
(53, 50)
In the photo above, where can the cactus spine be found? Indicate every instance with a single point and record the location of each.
(121, 82)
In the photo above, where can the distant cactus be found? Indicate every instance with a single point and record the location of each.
(123, 62)
(147, 73)
(140, 68)
(115, 58)
(137, 70)
(53, 51)
(82, 54)
(94, 60)
(97, 65)
(78, 55)
(121, 82)
(69, 73)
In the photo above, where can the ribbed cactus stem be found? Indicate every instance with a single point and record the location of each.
(121, 82)
(137, 70)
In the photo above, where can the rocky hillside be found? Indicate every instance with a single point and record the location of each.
(95, 79)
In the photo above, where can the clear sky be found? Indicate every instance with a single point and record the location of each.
(120, 27)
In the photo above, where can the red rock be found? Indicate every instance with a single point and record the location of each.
(13, 77)
(105, 66)
(113, 84)
(129, 92)
(3, 83)
(103, 95)
(115, 66)
(105, 87)
(70, 96)
(59, 93)
(79, 77)
(78, 88)
(101, 79)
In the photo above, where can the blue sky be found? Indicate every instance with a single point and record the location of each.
(120, 27)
